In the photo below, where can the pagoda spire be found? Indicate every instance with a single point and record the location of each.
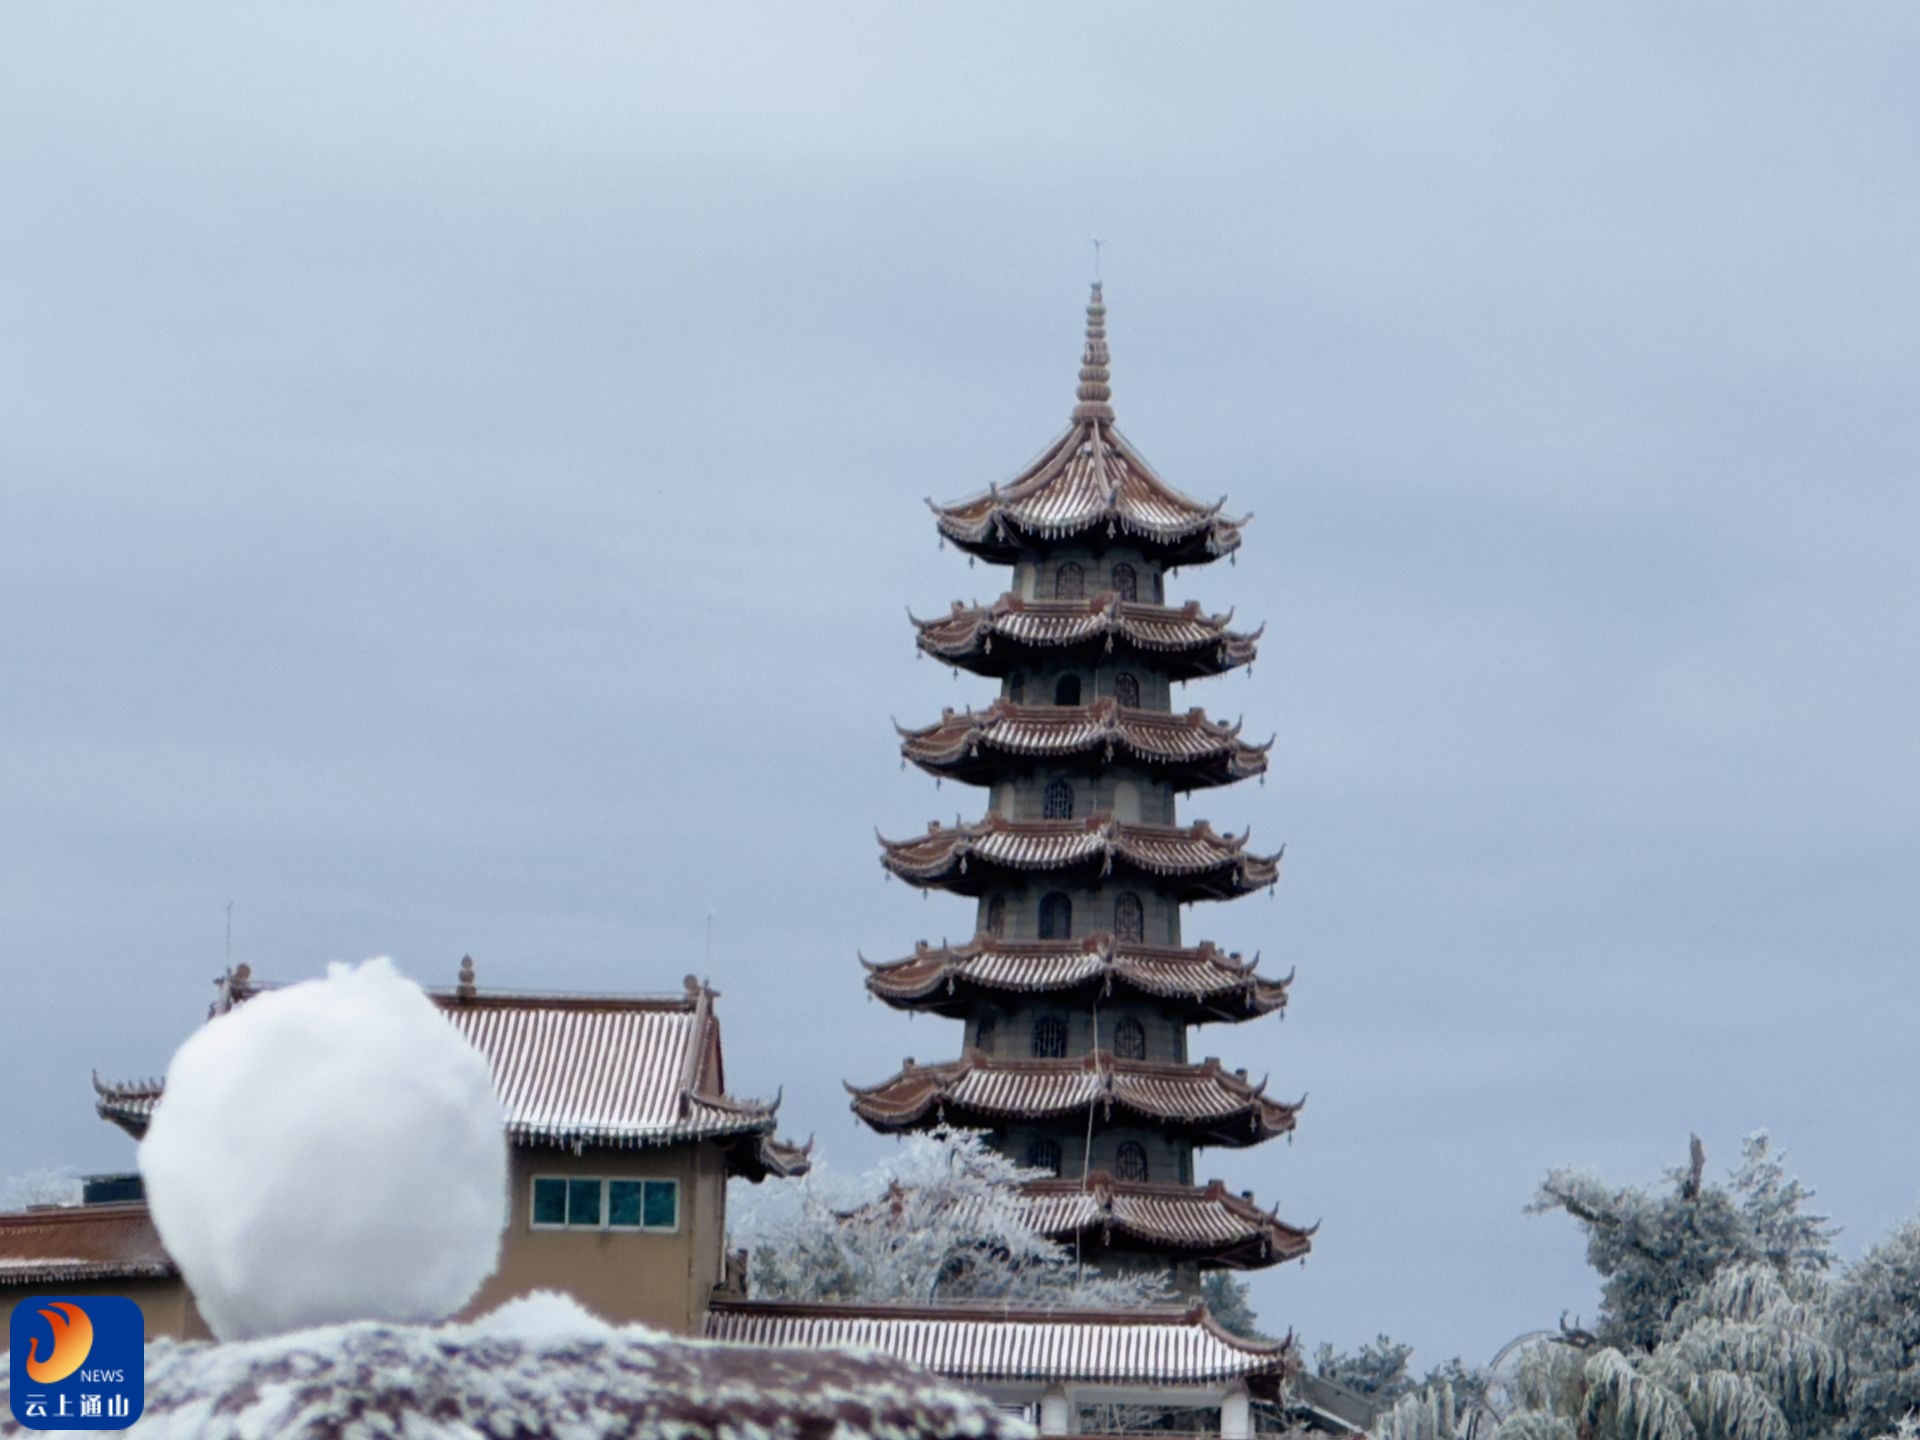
(1095, 394)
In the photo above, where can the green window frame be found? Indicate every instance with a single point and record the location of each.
(591, 1202)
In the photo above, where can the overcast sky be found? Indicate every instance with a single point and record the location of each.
(462, 476)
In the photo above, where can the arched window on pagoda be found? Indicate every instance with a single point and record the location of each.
(1126, 582)
(1058, 804)
(1069, 582)
(1126, 689)
(1056, 916)
(1066, 690)
(983, 1032)
(1130, 1161)
(1129, 917)
(1044, 1154)
(1017, 687)
(996, 921)
(1050, 1038)
(1130, 1040)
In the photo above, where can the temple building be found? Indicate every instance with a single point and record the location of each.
(621, 1139)
(1078, 988)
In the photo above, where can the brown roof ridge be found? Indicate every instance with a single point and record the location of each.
(74, 1214)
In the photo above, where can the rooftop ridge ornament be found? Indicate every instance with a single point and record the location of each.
(1095, 394)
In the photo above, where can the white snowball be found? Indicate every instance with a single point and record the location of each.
(329, 1152)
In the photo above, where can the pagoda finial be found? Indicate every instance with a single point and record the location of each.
(1094, 394)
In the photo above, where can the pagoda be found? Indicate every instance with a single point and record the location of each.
(1077, 988)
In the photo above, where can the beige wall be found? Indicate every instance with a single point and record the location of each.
(655, 1278)
(652, 1277)
(165, 1302)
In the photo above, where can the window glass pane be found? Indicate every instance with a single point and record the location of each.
(549, 1202)
(623, 1203)
(662, 1205)
(583, 1202)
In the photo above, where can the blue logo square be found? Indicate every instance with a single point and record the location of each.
(77, 1362)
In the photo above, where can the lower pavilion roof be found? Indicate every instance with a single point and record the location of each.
(1192, 861)
(620, 1071)
(1207, 1103)
(1208, 1223)
(951, 979)
(1183, 642)
(980, 1342)
(1192, 751)
(64, 1244)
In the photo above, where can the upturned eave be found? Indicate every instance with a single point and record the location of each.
(1188, 862)
(1189, 751)
(1200, 983)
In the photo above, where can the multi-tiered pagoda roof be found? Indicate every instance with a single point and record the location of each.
(1190, 861)
(1204, 1103)
(1201, 982)
(1076, 988)
(1190, 751)
(1014, 631)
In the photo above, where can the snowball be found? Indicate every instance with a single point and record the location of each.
(329, 1152)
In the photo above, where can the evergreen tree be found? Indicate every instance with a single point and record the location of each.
(1654, 1251)
(1876, 1308)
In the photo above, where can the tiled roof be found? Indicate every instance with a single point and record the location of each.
(1208, 1222)
(1090, 479)
(58, 1244)
(603, 1070)
(948, 979)
(531, 1371)
(1158, 1345)
(1205, 1102)
(993, 639)
(1191, 750)
(1192, 862)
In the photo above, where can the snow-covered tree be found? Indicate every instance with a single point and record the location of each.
(48, 1185)
(942, 1219)
(1654, 1251)
(1751, 1354)
(1230, 1301)
(1876, 1312)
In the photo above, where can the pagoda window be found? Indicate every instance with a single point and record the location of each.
(1056, 916)
(1066, 690)
(1069, 582)
(1017, 687)
(1126, 582)
(1126, 689)
(983, 1033)
(1130, 1161)
(1130, 1040)
(1058, 804)
(1050, 1038)
(1129, 917)
(996, 921)
(1044, 1154)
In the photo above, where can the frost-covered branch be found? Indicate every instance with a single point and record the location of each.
(942, 1219)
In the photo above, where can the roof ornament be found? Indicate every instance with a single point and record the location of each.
(464, 989)
(1095, 395)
